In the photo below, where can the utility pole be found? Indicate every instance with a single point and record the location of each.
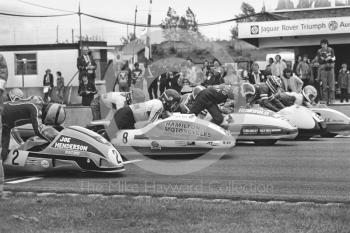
(148, 49)
(57, 34)
(80, 39)
(72, 36)
(135, 22)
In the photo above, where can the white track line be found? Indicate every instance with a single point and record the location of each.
(23, 180)
(132, 161)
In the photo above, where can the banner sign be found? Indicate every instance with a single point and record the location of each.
(302, 27)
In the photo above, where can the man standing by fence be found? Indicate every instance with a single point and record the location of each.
(326, 59)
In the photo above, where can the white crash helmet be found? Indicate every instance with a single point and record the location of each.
(248, 91)
(197, 90)
(15, 94)
(310, 93)
(53, 114)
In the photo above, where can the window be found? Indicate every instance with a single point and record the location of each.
(25, 64)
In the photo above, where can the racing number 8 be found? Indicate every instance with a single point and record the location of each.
(125, 137)
(16, 154)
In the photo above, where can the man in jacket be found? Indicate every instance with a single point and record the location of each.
(86, 63)
(256, 76)
(326, 59)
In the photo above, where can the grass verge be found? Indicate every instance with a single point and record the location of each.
(126, 214)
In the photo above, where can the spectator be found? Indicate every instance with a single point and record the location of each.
(173, 81)
(291, 83)
(163, 82)
(48, 85)
(123, 78)
(86, 63)
(296, 63)
(136, 75)
(256, 76)
(278, 66)
(268, 67)
(304, 71)
(344, 82)
(218, 72)
(206, 68)
(86, 90)
(314, 75)
(60, 87)
(326, 59)
(152, 82)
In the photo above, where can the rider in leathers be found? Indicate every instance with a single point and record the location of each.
(21, 111)
(265, 94)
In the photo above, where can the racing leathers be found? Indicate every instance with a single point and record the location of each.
(208, 99)
(266, 98)
(127, 116)
(186, 103)
(20, 112)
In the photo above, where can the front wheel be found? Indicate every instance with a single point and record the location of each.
(265, 142)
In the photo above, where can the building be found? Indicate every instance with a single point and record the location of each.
(301, 29)
(27, 64)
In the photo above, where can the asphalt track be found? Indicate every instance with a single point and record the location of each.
(316, 170)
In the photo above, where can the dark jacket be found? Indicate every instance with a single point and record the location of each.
(343, 79)
(82, 65)
(48, 81)
(251, 77)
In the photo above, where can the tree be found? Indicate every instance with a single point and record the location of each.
(247, 15)
(184, 28)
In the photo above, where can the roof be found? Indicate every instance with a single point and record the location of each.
(60, 46)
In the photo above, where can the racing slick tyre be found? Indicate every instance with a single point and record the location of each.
(329, 135)
(265, 142)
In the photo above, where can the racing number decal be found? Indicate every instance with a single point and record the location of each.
(125, 137)
(17, 158)
(15, 153)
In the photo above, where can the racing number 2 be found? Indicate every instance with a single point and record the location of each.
(15, 154)
(125, 137)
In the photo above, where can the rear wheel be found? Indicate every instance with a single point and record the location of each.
(265, 142)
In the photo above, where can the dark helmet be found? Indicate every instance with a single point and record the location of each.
(53, 114)
(273, 83)
(170, 99)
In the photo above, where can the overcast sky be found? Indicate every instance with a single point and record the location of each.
(17, 30)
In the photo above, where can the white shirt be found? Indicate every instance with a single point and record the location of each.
(147, 111)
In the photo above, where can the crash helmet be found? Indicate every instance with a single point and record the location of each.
(170, 99)
(274, 83)
(197, 90)
(248, 91)
(53, 114)
(15, 94)
(310, 93)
